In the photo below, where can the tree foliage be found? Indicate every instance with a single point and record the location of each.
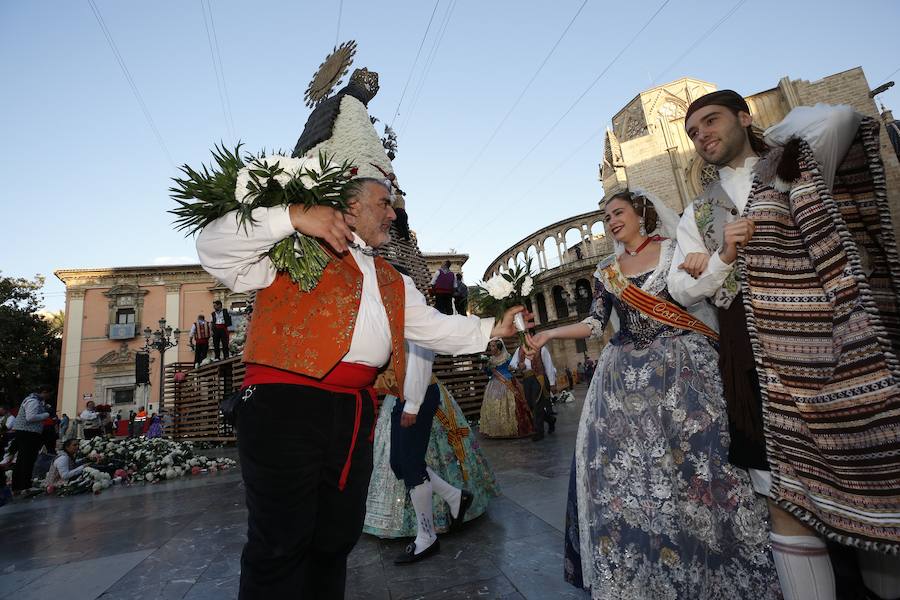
(30, 345)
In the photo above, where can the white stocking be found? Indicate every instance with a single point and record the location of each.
(421, 501)
(880, 573)
(450, 494)
(803, 567)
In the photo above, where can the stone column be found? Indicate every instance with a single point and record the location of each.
(173, 315)
(71, 371)
(548, 300)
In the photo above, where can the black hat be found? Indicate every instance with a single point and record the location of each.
(727, 98)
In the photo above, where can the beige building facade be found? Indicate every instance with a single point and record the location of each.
(434, 260)
(106, 311)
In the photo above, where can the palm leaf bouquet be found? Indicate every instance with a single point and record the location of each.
(239, 184)
(503, 291)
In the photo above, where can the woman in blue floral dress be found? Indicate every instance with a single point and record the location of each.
(655, 510)
(453, 453)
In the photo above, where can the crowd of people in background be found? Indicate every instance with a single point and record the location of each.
(36, 442)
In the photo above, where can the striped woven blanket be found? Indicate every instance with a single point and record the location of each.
(820, 281)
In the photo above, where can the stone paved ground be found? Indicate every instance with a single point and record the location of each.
(182, 539)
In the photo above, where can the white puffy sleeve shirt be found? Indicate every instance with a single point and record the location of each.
(418, 377)
(237, 256)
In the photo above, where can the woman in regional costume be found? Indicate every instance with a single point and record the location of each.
(453, 454)
(504, 413)
(655, 510)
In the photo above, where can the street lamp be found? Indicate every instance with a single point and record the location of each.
(160, 340)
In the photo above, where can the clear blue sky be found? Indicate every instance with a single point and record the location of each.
(85, 180)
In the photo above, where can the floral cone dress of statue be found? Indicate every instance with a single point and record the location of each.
(453, 453)
(504, 412)
(655, 510)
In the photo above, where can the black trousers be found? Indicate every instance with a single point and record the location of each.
(220, 342)
(410, 444)
(200, 352)
(538, 398)
(300, 526)
(29, 444)
(444, 303)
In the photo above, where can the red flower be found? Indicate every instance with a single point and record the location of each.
(354, 170)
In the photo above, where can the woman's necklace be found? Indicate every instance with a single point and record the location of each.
(639, 248)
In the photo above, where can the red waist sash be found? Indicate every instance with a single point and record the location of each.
(345, 378)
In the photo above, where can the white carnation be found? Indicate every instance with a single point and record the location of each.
(527, 286)
(291, 168)
(498, 287)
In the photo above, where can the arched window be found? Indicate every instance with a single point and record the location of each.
(520, 259)
(560, 302)
(551, 253)
(583, 296)
(541, 307)
(532, 254)
(574, 246)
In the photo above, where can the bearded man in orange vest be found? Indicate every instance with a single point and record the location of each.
(318, 353)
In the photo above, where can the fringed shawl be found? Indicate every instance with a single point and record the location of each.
(820, 281)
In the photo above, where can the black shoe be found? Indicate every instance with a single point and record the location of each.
(465, 502)
(409, 555)
(537, 437)
(552, 423)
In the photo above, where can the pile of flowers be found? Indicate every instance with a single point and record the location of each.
(239, 337)
(240, 184)
(137, 460)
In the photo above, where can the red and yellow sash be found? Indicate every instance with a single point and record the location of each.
(654, 307)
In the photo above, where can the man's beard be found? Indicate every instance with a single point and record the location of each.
(732, 146)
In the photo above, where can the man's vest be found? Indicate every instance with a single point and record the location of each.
(201, 332)
(310, 332)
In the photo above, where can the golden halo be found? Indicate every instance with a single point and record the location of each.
(329, 74)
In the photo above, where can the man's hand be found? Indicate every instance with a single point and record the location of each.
(407, 420)
(322, 222)
(736, 234)
(534, 343)
(695, 264)
(506, 328)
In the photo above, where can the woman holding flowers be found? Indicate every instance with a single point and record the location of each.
(504, 413)
(655, 510)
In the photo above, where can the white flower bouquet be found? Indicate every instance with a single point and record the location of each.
(503, 291)
(241, 184)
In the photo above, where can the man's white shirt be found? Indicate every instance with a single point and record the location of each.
(237, 256)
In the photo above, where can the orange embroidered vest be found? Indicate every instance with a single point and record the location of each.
(310, 332)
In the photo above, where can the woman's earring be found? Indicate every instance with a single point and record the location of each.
(643, 231)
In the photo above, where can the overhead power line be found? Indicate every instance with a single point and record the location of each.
(587, 90)
(699, 41)
(577, 100)
(216, 57)
(415, 61)
(337, 34)
(130, 80)
(428, 62)
(518, 202)
(510, 111)
(886, 79)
